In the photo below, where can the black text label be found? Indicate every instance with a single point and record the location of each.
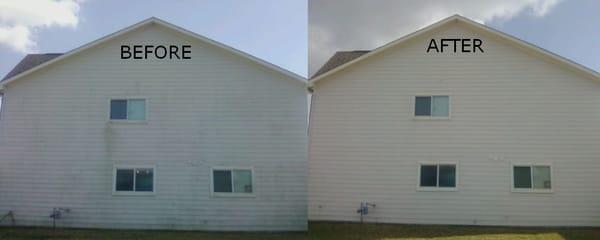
(159, 51)
(465, 45)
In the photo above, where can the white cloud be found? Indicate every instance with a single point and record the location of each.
(359, 24)
(20, 18)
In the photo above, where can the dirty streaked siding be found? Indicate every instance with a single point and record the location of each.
(57, 148)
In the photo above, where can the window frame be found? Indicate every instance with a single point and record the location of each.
(437, 188)
(133, 193)
(127, 110)
(431, 117)
(231, 194)
(532, 189)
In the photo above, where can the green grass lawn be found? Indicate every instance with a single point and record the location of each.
(320, 230)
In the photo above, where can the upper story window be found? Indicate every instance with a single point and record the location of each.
(232, 182)
(432, 106)
(434, 176)
(532, 178)
(128, 109)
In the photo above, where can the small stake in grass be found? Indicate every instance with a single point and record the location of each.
(57, 214)
(364, 209)
(9, 215)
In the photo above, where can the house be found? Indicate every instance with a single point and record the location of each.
(430, 130)
(154, 127)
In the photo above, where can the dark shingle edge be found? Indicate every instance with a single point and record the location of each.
(30, 61)
(338, 59)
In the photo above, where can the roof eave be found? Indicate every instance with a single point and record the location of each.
(80, 49)
(231, 50)
(582, 69)
(385, 47)
(546, 53)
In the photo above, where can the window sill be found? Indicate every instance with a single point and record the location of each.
(233, 195)
(128, 121)
(418, 118)
(134, 194)
(542, 191)
(437, 189)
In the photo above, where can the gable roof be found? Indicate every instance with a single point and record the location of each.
(34, 62)
(455, 18)
(338, 59)
(30, 61)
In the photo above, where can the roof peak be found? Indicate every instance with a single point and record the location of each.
(330, 68)
(33, 62)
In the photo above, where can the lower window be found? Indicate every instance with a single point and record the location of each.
(232, 181)
(532, 177)
(134, 179)
(437, 176)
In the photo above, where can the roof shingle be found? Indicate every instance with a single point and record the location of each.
(338, 59)
(30, 61)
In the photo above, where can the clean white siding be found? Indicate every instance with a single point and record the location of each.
(58, 149)
(506, 106)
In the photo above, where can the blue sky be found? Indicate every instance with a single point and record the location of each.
(272, 30)
(284, 32)
(571, 29)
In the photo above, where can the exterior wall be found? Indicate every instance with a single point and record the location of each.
(507, 106)
(58, 148)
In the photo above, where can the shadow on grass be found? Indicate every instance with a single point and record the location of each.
(328, 230)
(319, 231)
(30, 233)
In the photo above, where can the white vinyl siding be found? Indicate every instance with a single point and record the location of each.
(506, 105)
(1, 102)
(215, 109)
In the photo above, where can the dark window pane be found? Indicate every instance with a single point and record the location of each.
(118, 109)
(428, 175)
(124, 180)
(144, 180)
(447, 176)
(423, 106)
(222, 181)
(522, 177)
